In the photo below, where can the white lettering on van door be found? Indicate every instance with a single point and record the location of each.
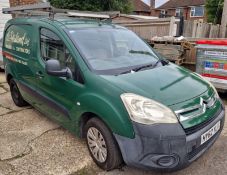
(13, 37)
(16, 38)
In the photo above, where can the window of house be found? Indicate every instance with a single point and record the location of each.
(197, 11)
(52, 47)
(179, 12)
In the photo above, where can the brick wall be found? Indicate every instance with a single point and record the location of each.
(155, 12)
(22, 2)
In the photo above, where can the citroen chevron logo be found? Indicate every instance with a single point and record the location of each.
(200, 109)
(203, 105)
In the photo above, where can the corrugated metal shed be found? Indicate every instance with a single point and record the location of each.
(4, 18)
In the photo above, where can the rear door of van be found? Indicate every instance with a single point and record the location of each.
(18, 56)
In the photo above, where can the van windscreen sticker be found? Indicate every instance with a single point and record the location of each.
(19, 42)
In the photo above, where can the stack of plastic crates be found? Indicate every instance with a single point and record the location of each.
(212, 62)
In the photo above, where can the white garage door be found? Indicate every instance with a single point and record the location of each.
(3, 18)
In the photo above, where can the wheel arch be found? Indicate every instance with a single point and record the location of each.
(82, 122)
(85, 117)
(8, 78)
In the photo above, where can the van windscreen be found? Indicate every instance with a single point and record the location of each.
(111, 51)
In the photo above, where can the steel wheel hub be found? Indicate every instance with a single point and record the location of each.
(97, 144)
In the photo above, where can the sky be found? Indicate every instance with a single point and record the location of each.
(147, 2)
(157, 2)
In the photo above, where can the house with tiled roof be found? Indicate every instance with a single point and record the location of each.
(141, 8)
(190, 9)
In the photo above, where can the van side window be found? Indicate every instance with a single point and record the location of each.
(52, 47)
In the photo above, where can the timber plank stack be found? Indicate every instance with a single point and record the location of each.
(171, 52)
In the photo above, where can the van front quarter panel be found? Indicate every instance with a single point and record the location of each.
(103, 100)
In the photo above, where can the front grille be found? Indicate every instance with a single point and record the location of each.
(197, 150)
(198, 127)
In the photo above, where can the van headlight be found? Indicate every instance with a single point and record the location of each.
(146, 111)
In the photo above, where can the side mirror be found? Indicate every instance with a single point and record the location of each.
(53, 68)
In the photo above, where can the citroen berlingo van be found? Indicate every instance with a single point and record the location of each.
(105, 84)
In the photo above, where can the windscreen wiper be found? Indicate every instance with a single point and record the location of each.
(141, 52)
(143, 67)
(159, 61)
(164, 62)
(151, 65)
(126, 72)
(140, 68)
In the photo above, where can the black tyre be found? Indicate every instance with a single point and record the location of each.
(15, 94)
(102, 145)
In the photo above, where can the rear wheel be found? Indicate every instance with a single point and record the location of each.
(15, 94)
(102, 145)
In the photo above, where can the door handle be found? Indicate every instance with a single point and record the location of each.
(39, 74)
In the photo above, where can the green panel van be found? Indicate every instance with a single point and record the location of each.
(105, 84)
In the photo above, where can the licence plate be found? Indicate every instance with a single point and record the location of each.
(210, 133)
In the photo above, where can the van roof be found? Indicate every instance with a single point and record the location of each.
(66, 22)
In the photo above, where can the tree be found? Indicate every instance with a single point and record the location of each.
(124, 6)
(214, 10)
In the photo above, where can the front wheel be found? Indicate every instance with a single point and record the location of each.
(102, 145)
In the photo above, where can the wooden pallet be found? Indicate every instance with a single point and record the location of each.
(178, 61)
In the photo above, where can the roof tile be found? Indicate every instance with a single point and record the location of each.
(140, 6)
(181, 3)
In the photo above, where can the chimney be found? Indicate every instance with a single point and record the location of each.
(14, 3)
(152, 4)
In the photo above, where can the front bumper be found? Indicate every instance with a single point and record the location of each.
(165, 147)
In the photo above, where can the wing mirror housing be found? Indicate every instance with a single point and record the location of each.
(53, 68)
